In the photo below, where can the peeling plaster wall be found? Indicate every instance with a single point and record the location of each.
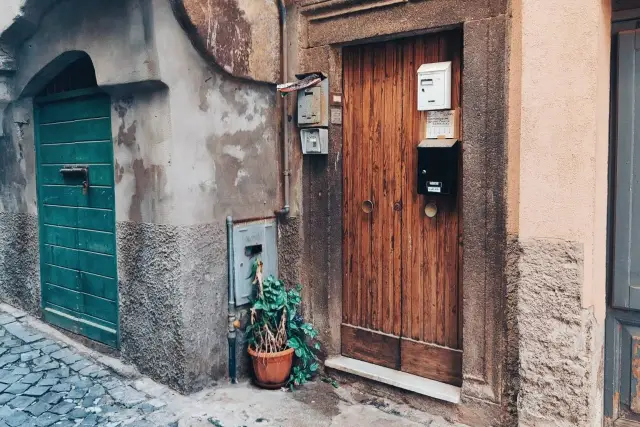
(19, 252)
(224, 161)
(240, 36)
(117, 35)
(191, 146)
(142, 147)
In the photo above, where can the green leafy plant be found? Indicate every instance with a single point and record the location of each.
(277, 324)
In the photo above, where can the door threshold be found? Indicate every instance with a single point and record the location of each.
(621, 422)
(414, 383)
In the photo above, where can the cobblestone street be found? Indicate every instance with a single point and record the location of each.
(47, 379)
(45, 383)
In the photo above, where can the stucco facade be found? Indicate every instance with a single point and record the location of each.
(189, 144)
(558, 200)
(197, 130)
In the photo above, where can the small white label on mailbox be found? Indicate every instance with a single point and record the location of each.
(433, 189)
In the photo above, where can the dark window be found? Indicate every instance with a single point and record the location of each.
(80, 74)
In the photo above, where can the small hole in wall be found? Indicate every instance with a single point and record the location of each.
(251, 251)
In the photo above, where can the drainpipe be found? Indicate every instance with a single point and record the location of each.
(285, 116)
(232, 303)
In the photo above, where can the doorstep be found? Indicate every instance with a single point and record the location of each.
(414, 383)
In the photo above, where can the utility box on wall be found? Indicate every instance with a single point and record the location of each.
(253, 240)
(314, 141)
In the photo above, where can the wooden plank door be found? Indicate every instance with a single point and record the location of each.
(400, 285)
(77, 222)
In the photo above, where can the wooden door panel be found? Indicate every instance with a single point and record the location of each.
(432, 361)
(371, 295)
(371, 346)
(392, 187)
(400, 272)
(430, 246)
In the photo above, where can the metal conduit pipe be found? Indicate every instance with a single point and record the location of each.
(285, 116)
(231, 336)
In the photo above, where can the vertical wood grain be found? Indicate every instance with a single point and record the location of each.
(356, 140)
(378, 150)
(347, 190)
(401, 269)
(430, 229)
(368, 138)
(450, 50)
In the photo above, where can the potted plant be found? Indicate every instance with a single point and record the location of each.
(277, 332)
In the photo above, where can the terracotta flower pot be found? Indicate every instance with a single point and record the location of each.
(272, 369)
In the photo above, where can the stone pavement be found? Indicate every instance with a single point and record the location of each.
(43, 383)
(47, 379)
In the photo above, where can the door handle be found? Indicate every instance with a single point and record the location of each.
(367, 206)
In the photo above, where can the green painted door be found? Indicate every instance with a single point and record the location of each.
(76, 213)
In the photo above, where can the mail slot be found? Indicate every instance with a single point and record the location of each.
(438, 167)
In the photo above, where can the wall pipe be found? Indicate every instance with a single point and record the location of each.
(285, 115)
(231, 335)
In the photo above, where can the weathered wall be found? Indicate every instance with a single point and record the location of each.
(560, 343)
(191, 146)
(240, 36)
(19, 259)
(558, 151)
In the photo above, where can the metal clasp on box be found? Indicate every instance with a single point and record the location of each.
(77, 170)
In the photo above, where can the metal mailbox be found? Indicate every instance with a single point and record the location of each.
(438, 161)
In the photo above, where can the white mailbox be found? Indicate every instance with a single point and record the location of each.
(434, 86)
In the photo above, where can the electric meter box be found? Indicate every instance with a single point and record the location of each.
(438, 161)
(251, 241)
(314, 141)
(434, 86)
(313, 105)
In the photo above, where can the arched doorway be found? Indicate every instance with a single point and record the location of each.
(76, 203)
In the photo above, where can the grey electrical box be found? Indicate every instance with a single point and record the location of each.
(314, 141)
(253, 240)
(313, 104)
